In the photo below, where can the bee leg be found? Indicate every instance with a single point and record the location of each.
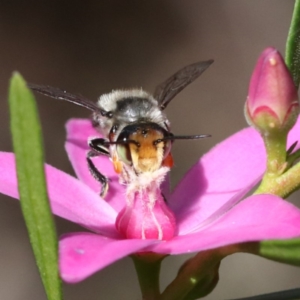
(96, 174)
(98, 145)
(98, 148)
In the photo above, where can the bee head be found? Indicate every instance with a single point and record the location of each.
(143, 146)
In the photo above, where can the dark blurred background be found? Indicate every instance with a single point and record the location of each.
(91, 47)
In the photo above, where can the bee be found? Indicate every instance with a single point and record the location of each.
(137, 132)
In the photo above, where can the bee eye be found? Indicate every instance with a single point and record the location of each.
(124, 154)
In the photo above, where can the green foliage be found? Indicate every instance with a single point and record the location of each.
(292, 53)
(27, 144)
(287, 251)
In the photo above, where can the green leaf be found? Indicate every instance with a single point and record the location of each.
(286, 251)
(292, 53)
(27, 143)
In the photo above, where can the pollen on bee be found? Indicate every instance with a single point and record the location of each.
(168, 161)
(117, 165)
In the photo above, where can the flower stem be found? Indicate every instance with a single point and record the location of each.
(283, 185)
(281, 178)
(199, 275)
(277, 164)
(276, 153)
(147, 266)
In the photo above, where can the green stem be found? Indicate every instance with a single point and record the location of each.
(147, 266)
(199, 275)
(292, 54)
(277, 164)
(283, 185)
(276, 153)
(279, 179)
(201, 270)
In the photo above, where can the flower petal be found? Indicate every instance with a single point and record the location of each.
(70, 198)
(257, 218)
(233, 166)
(82, 254)
(78, 133)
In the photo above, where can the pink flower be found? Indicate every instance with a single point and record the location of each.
(272, 101)
(206, 203)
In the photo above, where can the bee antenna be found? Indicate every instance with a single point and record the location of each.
(186, 137)
(182, 137)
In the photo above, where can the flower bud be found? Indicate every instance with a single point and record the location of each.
(146, 216)
(272, 102)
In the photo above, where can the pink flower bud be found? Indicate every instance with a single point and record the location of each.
(272, 102)
(146, 216)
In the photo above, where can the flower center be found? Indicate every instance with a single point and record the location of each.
(146, 215)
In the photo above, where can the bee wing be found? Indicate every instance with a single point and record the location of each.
(63, 95)
(166, 91)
